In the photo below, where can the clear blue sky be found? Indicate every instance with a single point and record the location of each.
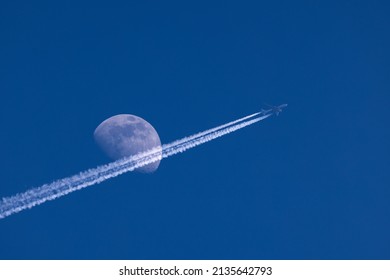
(313, 183)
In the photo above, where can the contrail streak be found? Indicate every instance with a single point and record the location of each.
(39, 195)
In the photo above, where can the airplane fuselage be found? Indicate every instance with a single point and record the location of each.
(274, 109)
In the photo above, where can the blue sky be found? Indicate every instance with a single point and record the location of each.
(312, 183)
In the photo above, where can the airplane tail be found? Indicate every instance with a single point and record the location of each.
(264, 112)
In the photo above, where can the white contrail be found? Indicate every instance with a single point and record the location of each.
(64, 184)
(39, 195)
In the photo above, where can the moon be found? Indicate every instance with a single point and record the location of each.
(126, 135)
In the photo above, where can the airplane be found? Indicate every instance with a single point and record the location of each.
(274, 109)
